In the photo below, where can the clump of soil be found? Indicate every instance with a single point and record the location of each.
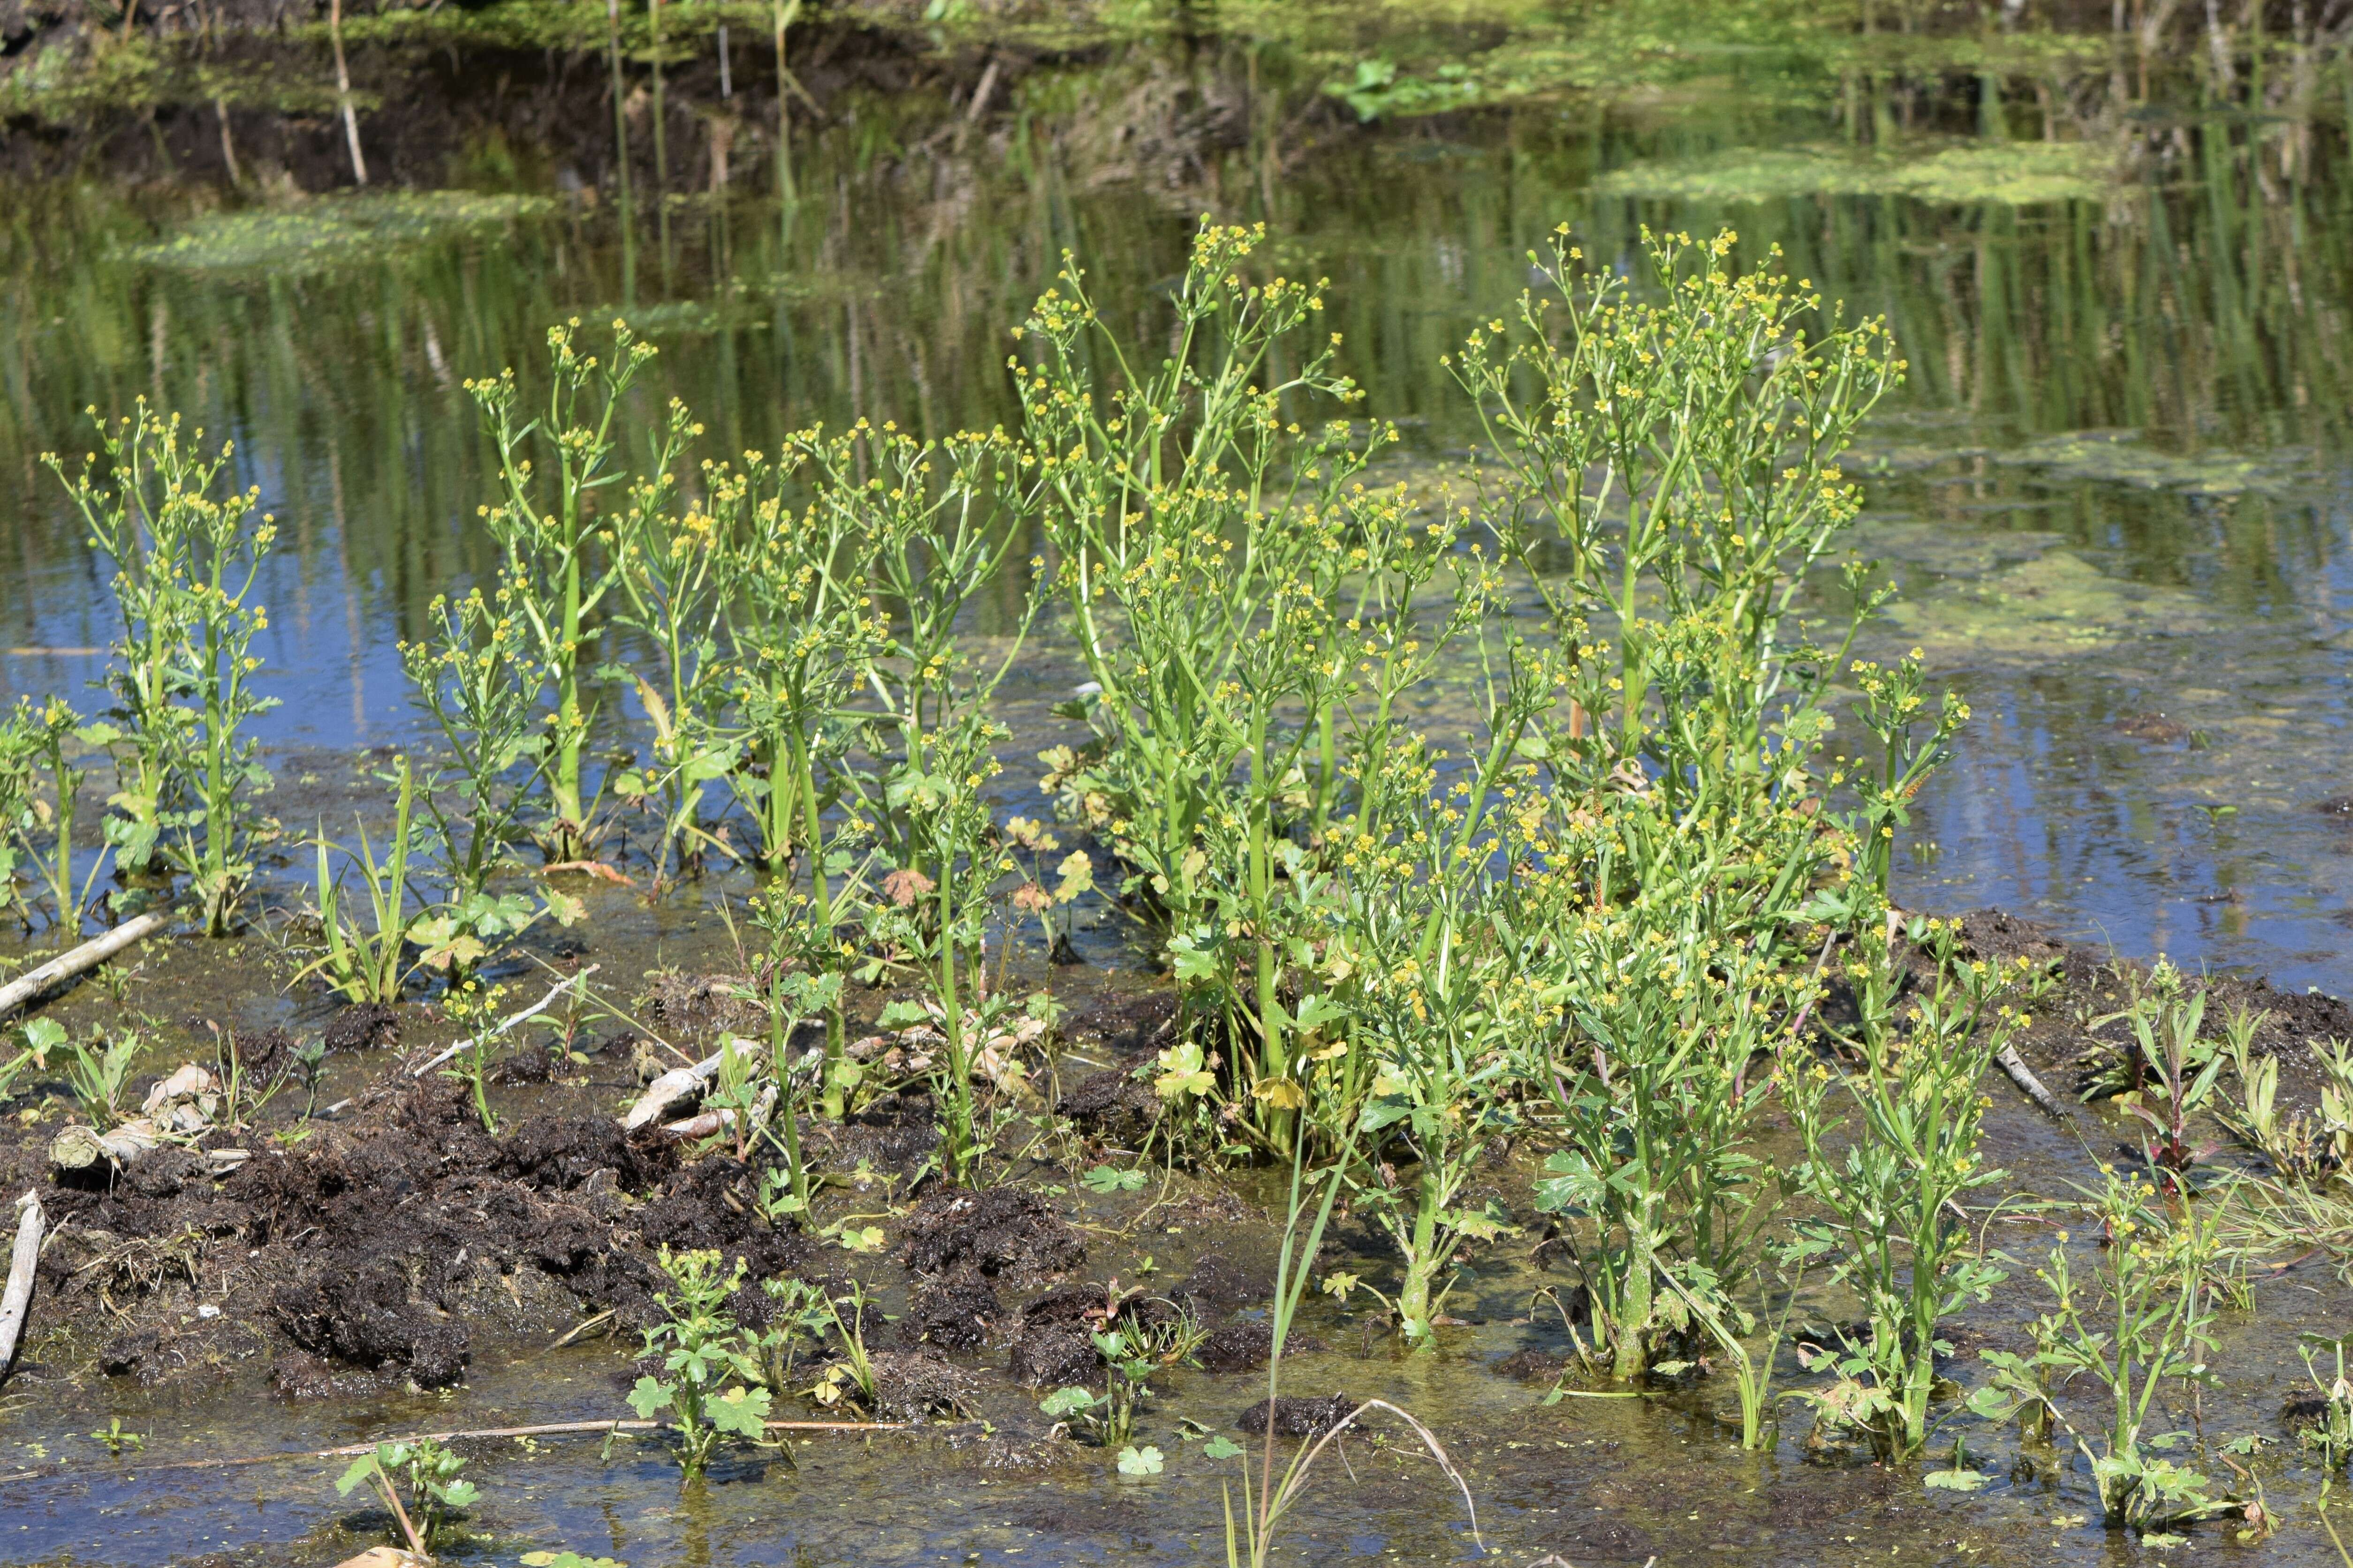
(363, 1026)
(1532, 1366)
(1239, 1347)
(1055, 1347)
(1001, 1232)
(1218, 1281)
(958, 1312)
(701, 1006)
(1055, 1355)
(372, 1251)
(893, 1137)
(1297, 1417)
(1125, 1023)
(368, 1317)
(2093, 982)
(1108, 1099)
(2153, 726)
(913, 1386)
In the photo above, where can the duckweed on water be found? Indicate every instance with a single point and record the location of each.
(2056, 604)
(2119, 458)
(2015, 174)
(334, 232)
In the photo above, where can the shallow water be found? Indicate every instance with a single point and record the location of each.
(2114, 490)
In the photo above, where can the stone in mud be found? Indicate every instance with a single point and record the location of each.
(1299, 1416)
(1001, 1232)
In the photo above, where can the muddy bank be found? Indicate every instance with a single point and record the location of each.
(371, 1247)
(395, 1266)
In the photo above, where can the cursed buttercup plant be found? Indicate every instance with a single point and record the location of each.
(2137, 1324)
(561, 473)
(1891, 1226)
(187, 553)
(709, 1385)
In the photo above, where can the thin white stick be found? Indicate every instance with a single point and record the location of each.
(18, 1296)
(2023, 1076)
(88, 956)
(534, 1011)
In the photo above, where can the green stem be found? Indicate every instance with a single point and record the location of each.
(962, 1156)
(821, 897)
(779, 1037)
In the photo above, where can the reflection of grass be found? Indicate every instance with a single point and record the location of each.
(334, 231)
(2017, 174)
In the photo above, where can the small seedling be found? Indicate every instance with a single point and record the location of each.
(430, 1474)
(1108, 1179)
(711, 1386)
(116, 1439)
